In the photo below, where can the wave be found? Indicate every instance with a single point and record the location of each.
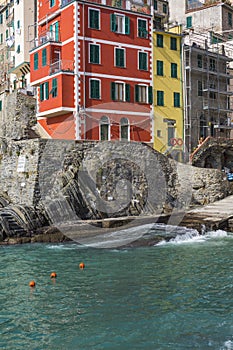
(193, 236)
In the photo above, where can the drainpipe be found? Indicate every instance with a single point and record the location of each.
(76, 73)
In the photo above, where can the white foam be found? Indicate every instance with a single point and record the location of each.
(228, 345)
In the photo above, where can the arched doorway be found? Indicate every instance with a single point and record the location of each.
(104, 129)
(124, 129)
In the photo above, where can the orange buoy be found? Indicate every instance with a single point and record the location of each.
(53, 275)
(81, 265)
(32, 284)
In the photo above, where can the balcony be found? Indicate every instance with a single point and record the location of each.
(62, 66)
(44, 38)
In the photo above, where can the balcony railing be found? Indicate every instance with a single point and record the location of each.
(62, 66)
(45, 37)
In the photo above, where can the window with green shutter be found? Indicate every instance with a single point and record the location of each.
(18, 49)
(52, 3)
(0, 105)
(159, 67)
(1, 38)
(119, 57)
(143, 94)
(94, 88)
(142, 28)
(18, 24)
(173, 43)
(176, 96)
(44, 57)
(44, 91)
(159, 40)
(189, 22)
(164, 8)
(94, 54)
(173, 70)
(7, 13)
(36, 61)
(54, 87)
(1, 18)
(7, 34)
(120, 24)
(160, 98)
(155, 5)
(94, 19)
(230, 19)
(143, 61)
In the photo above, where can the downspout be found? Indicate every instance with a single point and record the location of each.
(76, 73)
(84, 76)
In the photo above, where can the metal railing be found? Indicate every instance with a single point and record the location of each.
(62, 65)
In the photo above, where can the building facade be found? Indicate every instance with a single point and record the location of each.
(92, 65)
(168, 92)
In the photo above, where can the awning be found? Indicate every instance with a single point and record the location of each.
(23, 68)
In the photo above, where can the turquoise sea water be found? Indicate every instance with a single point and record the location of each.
(171, 296)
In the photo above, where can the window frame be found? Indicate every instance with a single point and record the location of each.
(89, 18)
(139, 30)
(36, 61)
(159, 68)
(115, 57)
(44, 91)
(176, 99)
(173, 43)
(89, 53)
(44, 57)
(149, 94)
(125, 23)
(125, 91)
(159, 40)
(160, 95)
(109, 129)
(174, 68)
(140, 65)
(128, 129)
(94, 97)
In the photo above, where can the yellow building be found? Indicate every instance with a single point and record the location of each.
(168, 96)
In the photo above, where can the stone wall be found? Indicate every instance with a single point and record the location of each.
(67, 180)
(18, 116)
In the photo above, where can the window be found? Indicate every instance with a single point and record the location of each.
(143, 94)
(7, 13)
(230, 19)
(212, 65)
(18, 24)
(176, 98)
(52, 3)
(1, 38)
(212, 93)
(170, 132)
(143, 61)
(189, 22)
(120, 24)
(159, 40)
(159, 133)
(7, 34)
(199, 61)
(142, 28)
(0, 105)
(173, 44)
(155, 5)
(160, 98)
(54, 87)
(18, 49)
(44, 57)
(199, 88)
(54, 31)
(36, 61)
(44, 91)
(124, 124)
(119, 57)
(104, 129)
(94, 88)
(120, 91)
(160, 68)
(174, 70)
(94, 19)
(94, 53)
(164, 8)
(1, 18)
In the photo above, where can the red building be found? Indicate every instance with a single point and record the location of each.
(92, 64)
